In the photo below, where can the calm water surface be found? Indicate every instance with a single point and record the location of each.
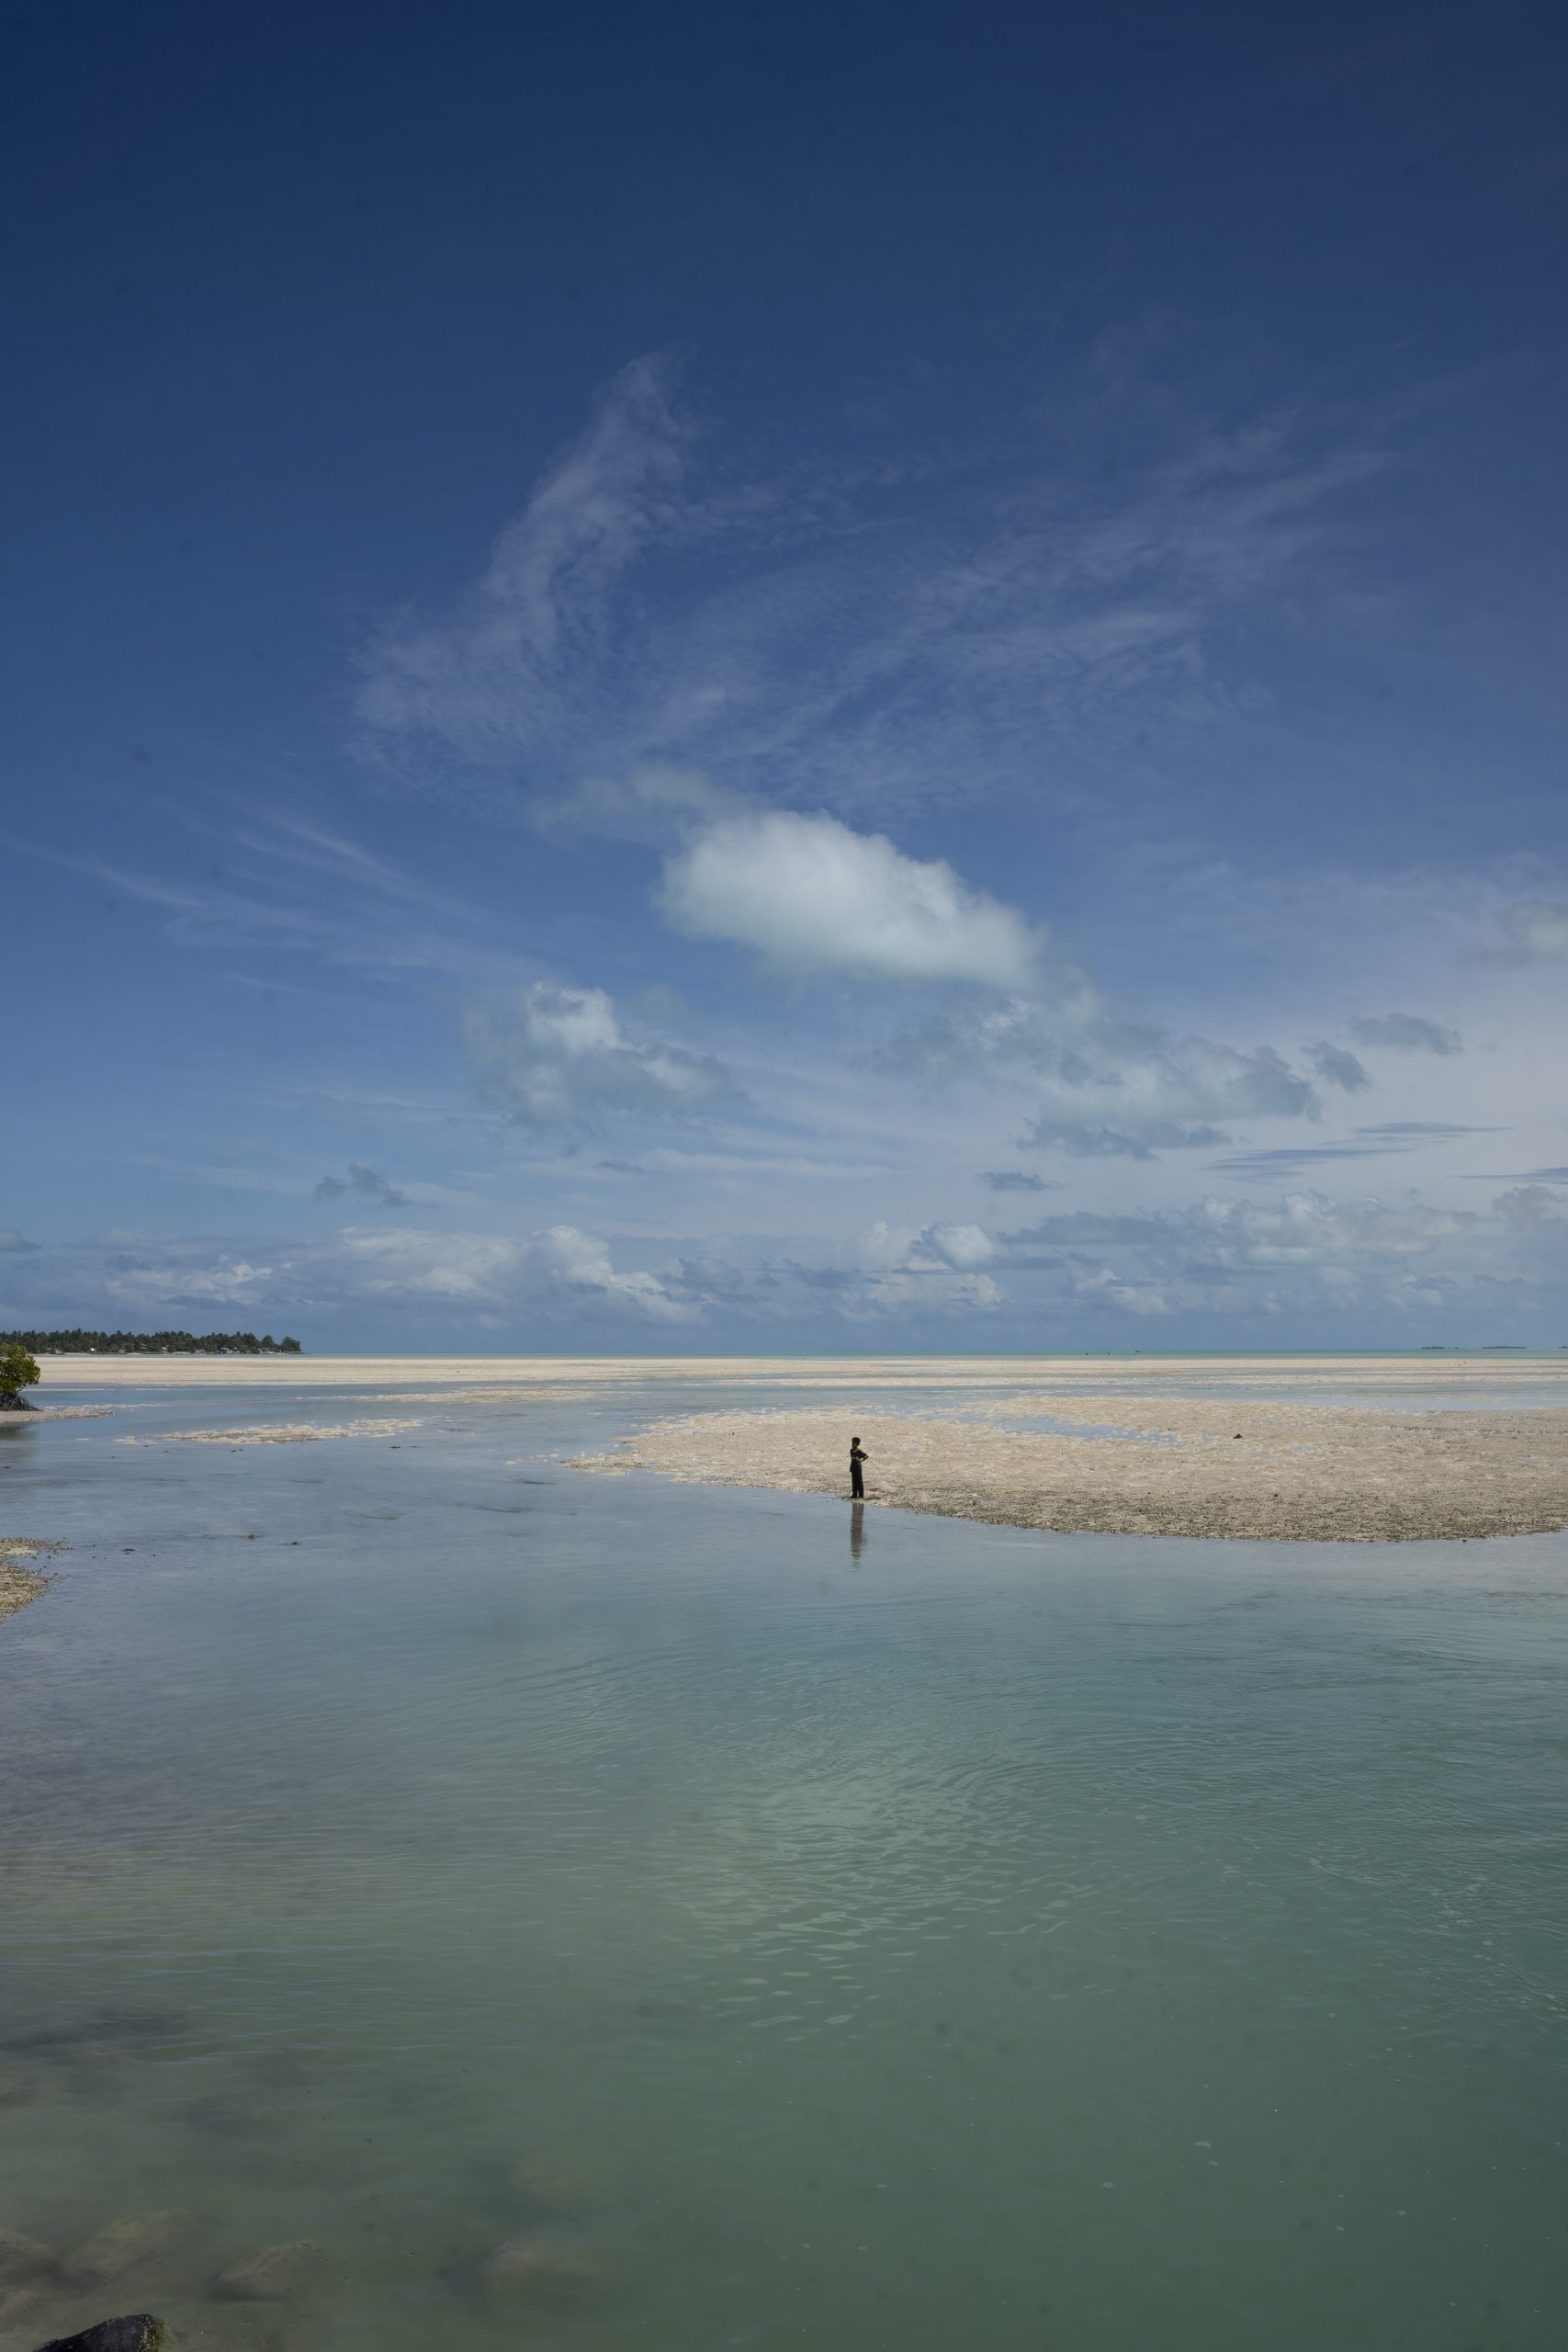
(897, 1934)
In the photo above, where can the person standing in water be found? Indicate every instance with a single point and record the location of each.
(857, 1482)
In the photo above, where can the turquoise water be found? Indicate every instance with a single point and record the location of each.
(903, 1934)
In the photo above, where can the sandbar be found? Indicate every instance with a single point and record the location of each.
(1133, 1464)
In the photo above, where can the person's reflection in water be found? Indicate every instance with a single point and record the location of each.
(857, 1530)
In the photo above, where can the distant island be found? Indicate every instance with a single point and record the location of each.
(150, 1343)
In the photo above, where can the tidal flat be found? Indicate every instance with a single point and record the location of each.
(1165, 1465)
(451, 1899)
(19, 1579)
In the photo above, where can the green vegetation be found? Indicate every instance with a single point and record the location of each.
(17, 1370)
(141, 1343)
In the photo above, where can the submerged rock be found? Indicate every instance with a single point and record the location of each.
(557, 2178)
(226, 2327)
(538, 2268)
(17, 2090)
(272, 2273)
(17, 2304)
(140, 2333)
(119, 2246)
(21, 2256)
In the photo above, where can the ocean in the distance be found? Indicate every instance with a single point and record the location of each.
(913, 1936)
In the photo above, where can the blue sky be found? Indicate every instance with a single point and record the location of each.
(871, 679)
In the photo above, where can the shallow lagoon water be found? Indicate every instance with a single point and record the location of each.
(846, 1933)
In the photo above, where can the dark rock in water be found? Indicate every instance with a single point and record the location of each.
(271, 2275)
(21, 2256)
(141, 2333)
(17, 1404)
(118, 2247)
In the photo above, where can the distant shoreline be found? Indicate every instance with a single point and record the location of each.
(1432, 1366)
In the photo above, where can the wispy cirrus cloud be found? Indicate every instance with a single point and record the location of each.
(511, 672)
(1305, 1229)
(1363, 1143)
(914, 629)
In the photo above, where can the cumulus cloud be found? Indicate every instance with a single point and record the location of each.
(1105, 1088)
(11, 1239)
(935, 1249)
(149, 1281)
(1537, 931)
(1337, 1065)
(809, 895)
(1532, 1208)
(1100, 1289)
(560, 1057)
(894, 1268)
(1408, 1033)
(1303, 1254)
(558, 1270)
(364, 1183)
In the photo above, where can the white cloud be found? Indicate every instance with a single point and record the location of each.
(1103, 1087)
(560, 1057)
(809, 895)
(892, 1269)
(1538, 929)
(1532, 1208)
(10, 1240)
(559, 1266)
(227, 1281)
(1408, 1033)
(1098, 1288)
(933, 1248)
